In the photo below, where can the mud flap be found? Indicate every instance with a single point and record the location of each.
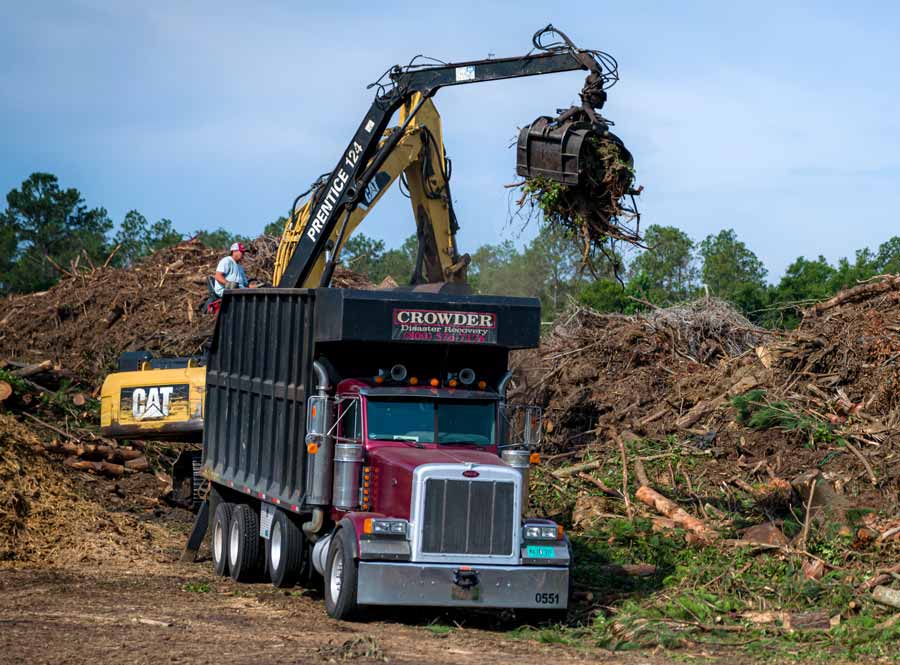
(198, 533)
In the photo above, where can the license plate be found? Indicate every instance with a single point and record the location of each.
(539, 552)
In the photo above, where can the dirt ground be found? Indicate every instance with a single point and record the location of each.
(156, 610)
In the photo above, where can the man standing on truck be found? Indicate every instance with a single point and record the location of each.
(230, 273)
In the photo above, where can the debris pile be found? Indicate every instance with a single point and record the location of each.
(640, 373)
(692, 418)
(91, 316)
(52, 516)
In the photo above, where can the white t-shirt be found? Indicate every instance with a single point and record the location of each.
(233, 271)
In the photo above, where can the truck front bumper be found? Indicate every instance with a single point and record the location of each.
(443, 585)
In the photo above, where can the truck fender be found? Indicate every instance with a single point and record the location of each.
(354, 522)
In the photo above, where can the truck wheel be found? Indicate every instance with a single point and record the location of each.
(243, 544)
(341, 576)
(284, 551)
(219, 537)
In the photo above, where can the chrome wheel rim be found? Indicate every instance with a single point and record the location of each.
(337, 575)
(233, 543)
(218, 542)
(275, 546)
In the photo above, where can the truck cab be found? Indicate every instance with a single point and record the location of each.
(436, 517)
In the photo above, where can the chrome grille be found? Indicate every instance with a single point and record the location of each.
(468, 517)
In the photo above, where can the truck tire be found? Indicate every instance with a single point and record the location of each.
(284, 551)
(341, 574)
(218, 538)
(243, 544)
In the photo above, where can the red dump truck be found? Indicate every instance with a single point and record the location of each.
(365, 436)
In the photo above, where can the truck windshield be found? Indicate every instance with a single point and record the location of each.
(432, 421)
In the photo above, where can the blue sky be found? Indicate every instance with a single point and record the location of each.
(776, 119)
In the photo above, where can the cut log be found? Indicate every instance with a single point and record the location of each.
(5, 391)
(886, 596)
(30, 370)
(881, 576)
(78, 399)
(138, 464)
(698, 411)
(110, 469)
(569, 471)
(599, 484)
(674, 512)
(122, 455)
(640, 473)
(629, 569)
(890, 533)
(80, 465)
(856, 293)
(793, 621)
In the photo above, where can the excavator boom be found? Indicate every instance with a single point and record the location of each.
(329, 212)
(419, 157)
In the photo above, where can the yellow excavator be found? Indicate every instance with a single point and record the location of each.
(164, 398)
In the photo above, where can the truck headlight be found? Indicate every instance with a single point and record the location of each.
(542, 532)
(386, 527)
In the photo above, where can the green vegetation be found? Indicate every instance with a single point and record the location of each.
(721, 598)
(439, 629)
(196, 587)
(712, 597)
(752, 409)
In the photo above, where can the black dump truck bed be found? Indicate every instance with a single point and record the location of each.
(260, 367)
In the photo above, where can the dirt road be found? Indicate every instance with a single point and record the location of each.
(185, 616)
(157, 610)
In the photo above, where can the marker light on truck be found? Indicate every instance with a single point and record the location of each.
(482, 385)
(435, 383)
(452, 383)
(413, 381)
(379, 380)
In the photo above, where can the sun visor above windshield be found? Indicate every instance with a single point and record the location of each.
(384, 316)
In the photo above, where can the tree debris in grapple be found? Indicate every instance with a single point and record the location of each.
(597, 211)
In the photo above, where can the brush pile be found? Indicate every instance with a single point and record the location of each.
(51, 516)
(695, 419)
(92, 315)
(597, 371)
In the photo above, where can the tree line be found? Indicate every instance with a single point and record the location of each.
(674, 268)
(45, 229)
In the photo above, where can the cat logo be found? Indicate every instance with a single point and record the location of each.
(373, 189)
(151, 402)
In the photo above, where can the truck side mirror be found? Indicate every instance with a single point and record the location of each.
(317, 410)
(522, 424)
